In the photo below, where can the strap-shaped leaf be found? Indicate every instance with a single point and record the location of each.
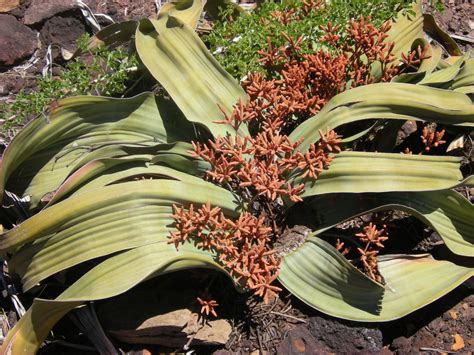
(445, 76)
(181, 63)
(102, 172)
(447, 212)
(406, 28)
(104, 281)
(321, 277)
(102, 221)
(398, 101)
(187, 11)
(81, 129)
(465, 78)
(213, 9)
(114, 34)
(356, 172)
(80, 207)
(434, 31)
(427, 65)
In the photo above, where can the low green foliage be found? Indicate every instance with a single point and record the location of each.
(235, 42)
(97, 72)
(437, 5)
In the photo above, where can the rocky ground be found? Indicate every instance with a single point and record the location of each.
(288, 326)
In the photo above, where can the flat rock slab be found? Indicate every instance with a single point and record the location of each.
(164, 317)
(17, 41)
(41, 10)
(175, 329)
(8, 5)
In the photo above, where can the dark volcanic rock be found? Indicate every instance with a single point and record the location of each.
(341, 338)
(63, 32)
(10, 84)
(41, 10)
(301, 341)
(16, 41)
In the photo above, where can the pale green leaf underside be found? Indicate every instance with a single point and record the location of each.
(447, 212)
(398, 101)
(465, 78)
(444, 76)
(187, 11)
(82, 129)
(181, 63)
(104, 221)
(356, 172)
(321, 277)
(405, 29)
(79, 207)
(102, 172)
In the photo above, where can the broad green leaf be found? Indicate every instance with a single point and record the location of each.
(102, 172)
(102, 221)
(434, 31)
(447, 212)
(187, 11)
(213, 9)
(79, 207)
(469, 181)
(182, 163)
(181, 63)
(114, 34)
(398, 101)
(443, 77)
(104, 281)
(321, 277)
(406, 28)
(356, 172)
(465, 89)
(465, 78)
(82, 129)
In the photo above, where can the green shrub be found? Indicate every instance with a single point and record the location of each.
(235, 42)
(97, 72)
